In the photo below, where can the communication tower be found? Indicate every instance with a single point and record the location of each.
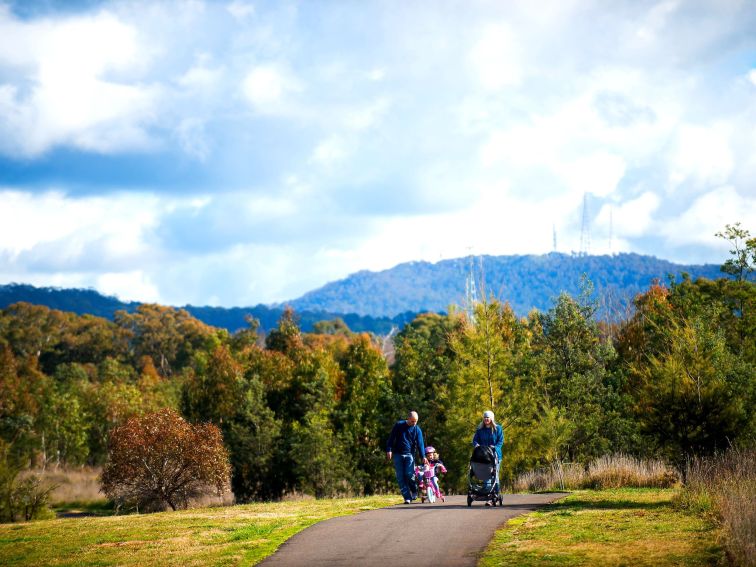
(553, 229)
(585, 229)
(471, 294)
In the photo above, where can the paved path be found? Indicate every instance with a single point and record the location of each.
(416, 535)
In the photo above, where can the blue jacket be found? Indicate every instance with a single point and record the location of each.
(404, 439)
(484, 436)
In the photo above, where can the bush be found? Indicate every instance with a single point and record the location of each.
(21, 498)
(161, 460)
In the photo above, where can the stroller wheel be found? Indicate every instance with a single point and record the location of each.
(501, 500)
(493, 502)
(469, 500)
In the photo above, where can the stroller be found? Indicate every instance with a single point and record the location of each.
(483, 478)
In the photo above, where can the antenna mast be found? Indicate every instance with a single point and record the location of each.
(585, 229)
(553, 230)
(471, 294)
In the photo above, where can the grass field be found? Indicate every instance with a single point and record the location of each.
(236, 535)
(609, 527)
(626, 526)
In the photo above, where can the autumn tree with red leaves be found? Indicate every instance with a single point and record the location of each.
(160, 459)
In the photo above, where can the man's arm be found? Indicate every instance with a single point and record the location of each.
(391, 439)
(421, 444)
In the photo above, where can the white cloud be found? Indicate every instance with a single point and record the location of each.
(329, 152)
(701, 154)
(707, 215)
(240, 10)
(71, 98)
(367, 115)
(630, 219)
(377, 74)
(115, 225)
(267, 86)
(495, 57)
(752, 76)
(193, 139)
(200, 77)
(133, 285)
(597, 174)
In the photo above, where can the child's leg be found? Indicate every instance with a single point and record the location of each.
(436, 489)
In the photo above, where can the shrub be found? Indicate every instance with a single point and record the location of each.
(160, 459)
(21, 498)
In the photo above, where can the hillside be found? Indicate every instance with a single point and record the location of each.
(88, 301)
(378, 301)
(526, 282)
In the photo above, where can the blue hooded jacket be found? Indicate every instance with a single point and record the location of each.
(487, 437)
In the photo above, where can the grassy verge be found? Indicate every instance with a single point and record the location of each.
(625, 526)
(236, 535)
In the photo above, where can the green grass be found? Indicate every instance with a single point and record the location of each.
(234, 535)
(626, 526)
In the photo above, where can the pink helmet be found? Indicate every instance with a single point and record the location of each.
(429, 449)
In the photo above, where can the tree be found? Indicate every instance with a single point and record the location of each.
(575, 361)
(227, 390)
(743, 262)
(170, 336)
(361, 416)
(62, 428)
(693, 393)
(492, 371)
(160, 459)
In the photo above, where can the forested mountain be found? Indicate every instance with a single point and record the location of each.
(377, 301)
(525, 282)
(90, 302)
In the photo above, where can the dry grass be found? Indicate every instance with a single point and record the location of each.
(81, 486)
(612, 471)
(724, 486)
(558, 476)
(621, 471)
(72, 485)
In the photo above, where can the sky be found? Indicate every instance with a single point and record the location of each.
(236, 153)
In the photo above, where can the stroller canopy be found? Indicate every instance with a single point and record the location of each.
(485, 455)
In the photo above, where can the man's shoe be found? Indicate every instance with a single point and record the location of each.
(407, 501)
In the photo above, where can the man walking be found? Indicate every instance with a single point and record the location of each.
(406, 438)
